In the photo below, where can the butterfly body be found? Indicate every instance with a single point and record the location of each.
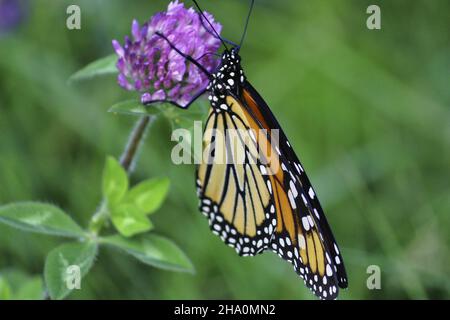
(257, 201)
(227, 80)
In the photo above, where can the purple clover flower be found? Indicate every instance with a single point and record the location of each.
(12, 12)
(150, 66)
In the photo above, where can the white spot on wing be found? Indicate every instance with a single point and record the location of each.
(269, 186)
(291, 200)
(316, 213)
(310, 220)
(311, 193)
(338, 261)
(263, 169)
(301, 241)
(293, 188)
(336, 248)
(329, 271)
(305, 223)
(304, 200)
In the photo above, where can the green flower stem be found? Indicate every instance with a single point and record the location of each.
(129, 155)
(127, 160)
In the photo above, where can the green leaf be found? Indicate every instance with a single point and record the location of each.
(129, 219)
(59, 278)
(32, 289)
(153, 250)
(148, 195)
(41, 218)
(103, 66)
(22, 286)
(5, 289)
(136, 108)
(115, 181)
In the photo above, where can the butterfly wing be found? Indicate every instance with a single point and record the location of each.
(303, 235)
(234, 192)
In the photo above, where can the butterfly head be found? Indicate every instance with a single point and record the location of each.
(229, 76)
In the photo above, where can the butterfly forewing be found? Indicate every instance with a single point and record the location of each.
(307, 196)
(318, 261)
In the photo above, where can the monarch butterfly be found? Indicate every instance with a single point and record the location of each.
(251, 205)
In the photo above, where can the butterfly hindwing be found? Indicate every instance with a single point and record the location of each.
(233, 190)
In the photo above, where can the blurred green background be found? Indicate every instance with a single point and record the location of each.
(367, 112)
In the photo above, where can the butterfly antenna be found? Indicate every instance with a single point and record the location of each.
(213, 34)
(246, 24)
(210, 24)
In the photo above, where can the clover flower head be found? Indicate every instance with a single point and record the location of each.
(148, 64)
(12, 12)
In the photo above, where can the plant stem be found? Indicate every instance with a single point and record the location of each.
(99, 218)
(129, 155)
(127, 160)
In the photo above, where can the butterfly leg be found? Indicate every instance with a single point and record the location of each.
(187, 57)
(197, 95)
